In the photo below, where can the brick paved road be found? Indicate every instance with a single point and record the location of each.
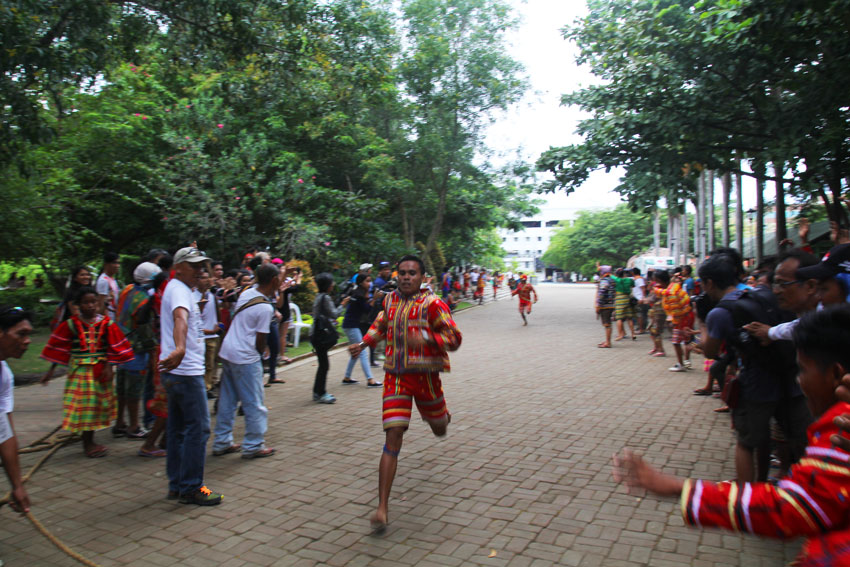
(523, 475)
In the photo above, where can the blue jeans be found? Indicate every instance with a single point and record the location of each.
(241, 382)
(187, 432)
(355, 336)
(273, 342)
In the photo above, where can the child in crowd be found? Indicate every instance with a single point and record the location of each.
(657, 316)
(812, 500)
(677, 305)
(88, 344)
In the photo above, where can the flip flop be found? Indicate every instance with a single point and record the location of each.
(152, 454)
(276, 381)
(96, 452)
(702, 392)
(603, 345)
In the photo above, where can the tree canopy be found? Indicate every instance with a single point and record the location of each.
(334, 131)
(687, 85)
(599, 237)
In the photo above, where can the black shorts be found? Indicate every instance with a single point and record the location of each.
(751, 421)
(605, 315)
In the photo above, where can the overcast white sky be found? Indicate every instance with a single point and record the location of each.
(539, 121)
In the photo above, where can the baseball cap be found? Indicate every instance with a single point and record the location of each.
(836, 261)
(145, 272)
(383, 264)
(189, 254)
(365, 266)
(277, 261)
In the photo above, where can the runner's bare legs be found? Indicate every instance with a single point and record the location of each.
(389, 464)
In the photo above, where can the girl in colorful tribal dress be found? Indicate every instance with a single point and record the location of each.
(88, 344)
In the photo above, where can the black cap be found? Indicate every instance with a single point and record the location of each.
(836, 261)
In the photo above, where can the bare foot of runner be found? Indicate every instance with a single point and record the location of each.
(378, 521)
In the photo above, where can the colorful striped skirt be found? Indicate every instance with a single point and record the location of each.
(623, 309)
(88, 403)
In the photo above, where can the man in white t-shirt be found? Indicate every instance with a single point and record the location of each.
(639, 293)
(181, 363)
(242, 368)
(209, 323)
(15, 331)
(107, 286)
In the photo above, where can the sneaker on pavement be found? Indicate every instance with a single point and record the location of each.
(324, 399)
(677, 368)
(265, 452)
(202, 497)
(138, 434)
(688, 364)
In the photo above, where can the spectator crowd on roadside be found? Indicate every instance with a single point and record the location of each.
(774, 342)
(144, 359)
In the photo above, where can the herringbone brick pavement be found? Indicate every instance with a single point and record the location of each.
(522, 479)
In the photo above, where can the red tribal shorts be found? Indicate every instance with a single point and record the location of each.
(524, 306)
(400, 390)
(681, 334)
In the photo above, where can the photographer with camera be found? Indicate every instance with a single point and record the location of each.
(382, 286)
(766, 379)
(289, 285)
(356, 316)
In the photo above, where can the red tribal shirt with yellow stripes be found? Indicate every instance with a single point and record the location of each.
(813, 500)
(424, 314)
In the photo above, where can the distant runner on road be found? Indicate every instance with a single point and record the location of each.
(524, 290)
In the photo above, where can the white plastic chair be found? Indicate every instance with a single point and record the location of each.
(296, 324)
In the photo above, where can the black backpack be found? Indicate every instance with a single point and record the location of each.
(324, 333)
(779, 357)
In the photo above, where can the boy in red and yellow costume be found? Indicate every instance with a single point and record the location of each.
(419, 331)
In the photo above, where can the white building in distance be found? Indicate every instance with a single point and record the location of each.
(526, 247)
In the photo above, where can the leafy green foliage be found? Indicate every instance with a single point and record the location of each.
(701, 82)
(599, 237)
(323, 130)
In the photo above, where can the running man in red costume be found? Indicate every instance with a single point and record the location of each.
(524, 290)
(419, 331)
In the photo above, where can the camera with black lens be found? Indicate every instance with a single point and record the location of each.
(703, 304)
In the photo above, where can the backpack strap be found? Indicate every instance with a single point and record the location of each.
(250, 303)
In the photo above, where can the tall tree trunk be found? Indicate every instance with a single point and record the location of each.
(739, 211)
(406, 227)
(726, 182)
(670, 215)
(656, 230)
(699, 218)
(760, 171)
(685, 235)
(673, 234)
(781, 226)
(709, 199)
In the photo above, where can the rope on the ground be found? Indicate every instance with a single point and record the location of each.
(51, 443)
(55, 541)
